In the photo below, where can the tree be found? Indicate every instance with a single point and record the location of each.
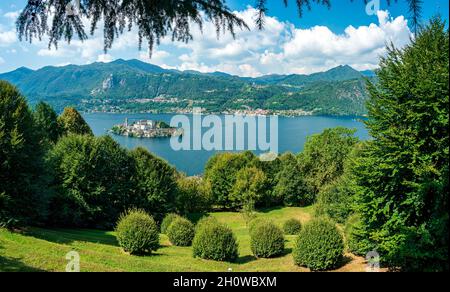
(46, 121)
(155, 183)
(323, 157)
(193, 195)
(71, 122)
(291, 188)
(93, 181)
(249, 188)
(403, 171)
(220, 173)
(154, 19)
(336, 200)
(271, 169)
(23, 177)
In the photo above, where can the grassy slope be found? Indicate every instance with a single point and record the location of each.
(45, 249)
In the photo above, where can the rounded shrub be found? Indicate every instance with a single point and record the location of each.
(319, 245)
(205, 221)
(266, 240)
(181, 232)
(168, 219)
(292, 227)
(257, 221)
(137, 232)
(215, 241)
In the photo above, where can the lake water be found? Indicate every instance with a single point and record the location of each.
(292, 133)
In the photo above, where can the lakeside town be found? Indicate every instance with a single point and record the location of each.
(146, 129)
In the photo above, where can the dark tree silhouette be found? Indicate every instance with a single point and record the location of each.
(155, 19)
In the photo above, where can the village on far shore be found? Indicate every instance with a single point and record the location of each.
(146, 129)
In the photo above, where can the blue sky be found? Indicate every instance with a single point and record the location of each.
(323, 38)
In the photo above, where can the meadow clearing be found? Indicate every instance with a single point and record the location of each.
(38, 249)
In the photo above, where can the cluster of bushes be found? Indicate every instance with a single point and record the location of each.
(393, 192)
(242, 180)
(319, 245)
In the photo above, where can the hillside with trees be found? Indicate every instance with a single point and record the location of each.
(135, 86)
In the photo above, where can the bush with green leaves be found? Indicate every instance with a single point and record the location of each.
(319, 245)
(168, 219)
(24, 177)
(91, 180)
(205, 221)
(255, 222)
(266, 240)
(215, 242)
(137, 232)
(193, 195)
(402, 174)
(292, 227)
(291, 187)
(71, 122)
(221, 171)
(156, 185)
(181, 232)
(352, 233)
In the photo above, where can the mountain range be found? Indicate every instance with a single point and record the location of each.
(135, 86)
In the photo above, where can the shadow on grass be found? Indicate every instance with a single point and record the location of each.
(269, 209)
(68, 236)
(344, 261)
(10, 264)
(195, 217)
(286, 252)
(245, 259)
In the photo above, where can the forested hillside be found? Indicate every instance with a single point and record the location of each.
(135, 86)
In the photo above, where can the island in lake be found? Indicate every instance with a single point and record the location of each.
(146, 129)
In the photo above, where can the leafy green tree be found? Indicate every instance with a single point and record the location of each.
(154, 19)
(46, 122)
(23, 178)
(93, 181)
(271, 169)
(220, 173)
(337, 199)
(156, 184)
(323, 157)
(249, 188)
(291, 188)
(193, 195)
(72, 122)
(403, 171)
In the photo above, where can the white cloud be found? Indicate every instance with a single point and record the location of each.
(2, 61)
(12, 15)
(105, 58)
(280, 48)
(7, 37)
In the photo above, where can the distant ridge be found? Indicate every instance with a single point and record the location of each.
(339, 91)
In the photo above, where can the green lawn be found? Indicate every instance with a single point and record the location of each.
(39, 249)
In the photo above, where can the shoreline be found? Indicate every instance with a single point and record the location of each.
(355, 116)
